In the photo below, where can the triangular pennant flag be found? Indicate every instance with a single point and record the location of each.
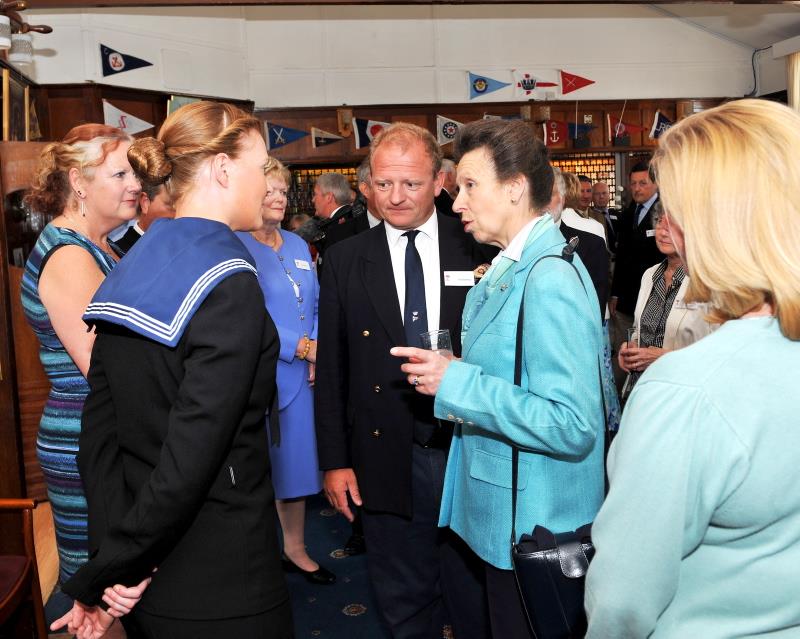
(446, 129)
(323, 138)
(279, 135)
(555, 133)
(526, 83)
(481, 85)
(578, 130)
(571, 82)
(113, 116)
(366, 130)
(619, 129)
(115, 62)
(660, 124)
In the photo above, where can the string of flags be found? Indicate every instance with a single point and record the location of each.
(526, 84)
(618, 130)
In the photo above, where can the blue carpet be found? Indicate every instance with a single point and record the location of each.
(345, 610)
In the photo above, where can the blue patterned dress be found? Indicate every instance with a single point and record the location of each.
(60, 426)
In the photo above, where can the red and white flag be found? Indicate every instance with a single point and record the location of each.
(571, 82)
(619, 129)
(555, 133)
(113, 116)
(526, 84)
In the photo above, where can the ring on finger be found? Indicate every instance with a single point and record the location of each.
(415, 381)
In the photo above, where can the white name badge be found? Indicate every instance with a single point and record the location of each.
(612, 217)
(302, 264)
(459, 278)
(651, 232)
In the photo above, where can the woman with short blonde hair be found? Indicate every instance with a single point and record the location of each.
(701, 520)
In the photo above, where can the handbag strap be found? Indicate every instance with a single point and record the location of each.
(567, 254)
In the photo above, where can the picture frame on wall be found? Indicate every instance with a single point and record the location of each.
(16, 118)
(175, 102)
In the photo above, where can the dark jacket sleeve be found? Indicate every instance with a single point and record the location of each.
(331, 388)
(202, 424)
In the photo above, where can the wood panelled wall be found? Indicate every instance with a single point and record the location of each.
(639, 112)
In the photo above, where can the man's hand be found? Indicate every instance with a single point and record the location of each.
(86, 622)
(338, 483)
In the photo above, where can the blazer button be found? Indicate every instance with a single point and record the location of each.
(365, 333)
(376, 432)
(377, 388)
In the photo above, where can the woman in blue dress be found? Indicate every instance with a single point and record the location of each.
(291, 292)
(86, 185)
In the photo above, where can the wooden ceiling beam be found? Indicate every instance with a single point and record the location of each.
(86, 4)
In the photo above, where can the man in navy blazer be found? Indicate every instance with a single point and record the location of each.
(378, 441)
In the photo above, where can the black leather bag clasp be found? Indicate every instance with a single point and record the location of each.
(550, 570)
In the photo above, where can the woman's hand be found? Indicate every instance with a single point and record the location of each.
(425, 368)
(638, 359)
(121, 599)
(312, 373)
(86, 622)
(311, 354)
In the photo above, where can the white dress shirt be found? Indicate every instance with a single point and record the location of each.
(372, 220)
(427, 243)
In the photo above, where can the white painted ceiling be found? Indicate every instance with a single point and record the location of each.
(755, 26)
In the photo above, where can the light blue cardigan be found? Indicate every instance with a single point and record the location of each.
(557, 413)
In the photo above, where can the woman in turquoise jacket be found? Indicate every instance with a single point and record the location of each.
(556, 414)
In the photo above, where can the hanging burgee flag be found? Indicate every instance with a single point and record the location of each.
(660, 124)
(555, 133)
(619, 129)
(571, 82)
(366, 130)
(323, 138)
(279, 135)
(115, 62)
(446, 129)
(481, 85)
(526, 83)
(113, 116)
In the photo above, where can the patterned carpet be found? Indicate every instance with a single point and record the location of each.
(345, 610)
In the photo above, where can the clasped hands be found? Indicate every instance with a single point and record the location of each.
(425, 369)
(92, 622)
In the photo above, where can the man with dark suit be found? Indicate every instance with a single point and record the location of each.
(636, 252)
(154, 203)
(361, 221)
(444, 201)
(607, 216)
(378, 441)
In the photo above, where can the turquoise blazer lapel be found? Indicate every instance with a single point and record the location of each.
(484, 302)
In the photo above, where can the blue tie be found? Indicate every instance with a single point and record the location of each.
(415, 315)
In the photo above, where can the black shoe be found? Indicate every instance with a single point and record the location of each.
(355, 545)
(321, 576)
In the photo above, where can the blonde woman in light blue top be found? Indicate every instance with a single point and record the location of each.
(700, 533)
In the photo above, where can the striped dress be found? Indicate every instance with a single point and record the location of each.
(60, 426)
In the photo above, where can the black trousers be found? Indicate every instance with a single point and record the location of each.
(419, 572)
(272, 624)
(506, 614)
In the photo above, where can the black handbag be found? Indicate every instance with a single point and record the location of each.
(550, 568)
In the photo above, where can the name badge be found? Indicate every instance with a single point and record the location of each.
(612, 217)
(459, 278)
(302, 264)
(651, 232)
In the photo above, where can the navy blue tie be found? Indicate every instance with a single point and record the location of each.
(415, 315)
(637, 214)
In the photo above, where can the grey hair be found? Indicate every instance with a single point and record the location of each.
(448, 166)
(363, 173)
(656, 213)
(337, 184)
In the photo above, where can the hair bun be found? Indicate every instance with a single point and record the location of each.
(149, 160)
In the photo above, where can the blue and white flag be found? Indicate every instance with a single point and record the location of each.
(279, 135)
(446, 129)
(481, 85)
(365, 130)
(660, 124)
(115, 62)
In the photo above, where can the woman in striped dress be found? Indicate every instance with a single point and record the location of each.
(86, 182)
